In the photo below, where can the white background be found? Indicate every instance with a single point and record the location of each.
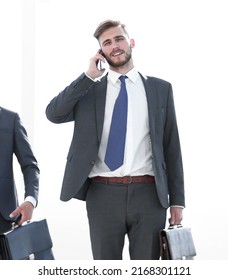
(46, 44)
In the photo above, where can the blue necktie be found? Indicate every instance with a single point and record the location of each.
(116, 142)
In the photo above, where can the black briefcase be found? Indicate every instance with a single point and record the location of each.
(176, 243)
(30, 241)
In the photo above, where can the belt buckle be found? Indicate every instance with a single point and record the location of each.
(129, 179)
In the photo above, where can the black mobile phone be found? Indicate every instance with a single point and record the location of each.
(99, 62)
(99, 65)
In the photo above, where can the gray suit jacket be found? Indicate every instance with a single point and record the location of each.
(14, 141)
(83, 102)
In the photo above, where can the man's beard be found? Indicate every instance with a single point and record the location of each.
(120, 63)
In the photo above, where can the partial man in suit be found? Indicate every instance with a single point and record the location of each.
(127, 196)
(14, 142)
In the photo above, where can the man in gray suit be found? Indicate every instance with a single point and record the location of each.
(14, 142)
(130, 197)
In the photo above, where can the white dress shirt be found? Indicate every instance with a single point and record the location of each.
(138, 150)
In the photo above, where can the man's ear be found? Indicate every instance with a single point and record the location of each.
(132, 43)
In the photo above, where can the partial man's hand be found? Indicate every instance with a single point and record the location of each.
(176, 215)
(26, 212)
(93, 70)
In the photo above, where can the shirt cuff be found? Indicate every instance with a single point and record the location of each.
(32, 200)
(94, 80)
(88, 76)
(179, 206)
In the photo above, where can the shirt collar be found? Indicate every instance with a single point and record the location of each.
(132, 75)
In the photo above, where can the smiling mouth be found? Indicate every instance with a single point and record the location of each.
(117, 53)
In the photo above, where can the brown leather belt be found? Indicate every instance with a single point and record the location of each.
(126, 179)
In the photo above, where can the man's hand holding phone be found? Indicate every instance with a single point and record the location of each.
(95, 69)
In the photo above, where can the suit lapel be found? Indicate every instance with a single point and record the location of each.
(100, 99)
(151, 100)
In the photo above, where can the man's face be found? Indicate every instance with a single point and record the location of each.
(116, 46)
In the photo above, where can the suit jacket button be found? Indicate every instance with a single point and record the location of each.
(92, 162)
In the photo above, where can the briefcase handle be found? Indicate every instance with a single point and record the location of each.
(175, 226)
(15, 223)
